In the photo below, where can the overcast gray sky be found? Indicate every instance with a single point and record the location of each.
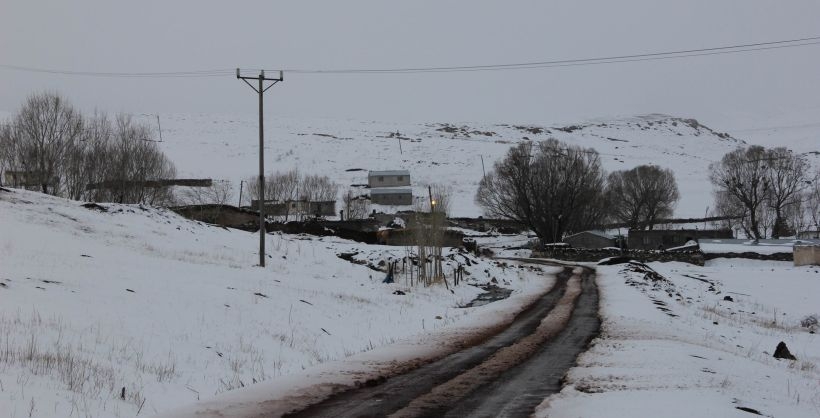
(153, 35)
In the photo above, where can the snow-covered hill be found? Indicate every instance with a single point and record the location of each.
(96, 299)
(226, 148)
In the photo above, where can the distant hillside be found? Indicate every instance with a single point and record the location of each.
(225, 147)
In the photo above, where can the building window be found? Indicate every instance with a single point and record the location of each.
(645, 240)
(381, 178)
(400, 178)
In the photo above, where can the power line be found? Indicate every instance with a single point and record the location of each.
(169, 74)
(613, 59)
(728, 49)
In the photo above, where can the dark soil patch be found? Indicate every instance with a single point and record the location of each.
(94, 206)
(491, 294)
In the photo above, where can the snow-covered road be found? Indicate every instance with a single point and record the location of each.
(506, 374)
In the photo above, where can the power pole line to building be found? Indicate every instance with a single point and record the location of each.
(260, 90)
(159, 128)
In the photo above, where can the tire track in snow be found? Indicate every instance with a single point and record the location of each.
(448, 386)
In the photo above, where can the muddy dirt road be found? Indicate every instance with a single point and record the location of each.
(508, 374)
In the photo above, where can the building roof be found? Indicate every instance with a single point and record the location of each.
(389, 173)
(601, 234)
(387, 190)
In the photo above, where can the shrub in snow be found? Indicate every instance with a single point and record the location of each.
(812, 322)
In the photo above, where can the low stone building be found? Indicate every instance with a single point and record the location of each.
(395, 197)
(31, 180)
(298, 207)
(814, 234)
(591, 239)
(667, 238)
(807, 255)
(225, 215)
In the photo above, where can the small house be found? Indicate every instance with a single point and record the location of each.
(392, 196)
(390, 178)
(591, 239)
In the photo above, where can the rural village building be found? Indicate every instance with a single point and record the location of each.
(815, 234)
(391, 196)
(298, 207)
(591, 239)
(386, 187)
(389, 178)
(668, 238)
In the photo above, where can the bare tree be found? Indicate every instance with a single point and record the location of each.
(442, 196)
(740, 177)
(134, 159)
(356, 206)
(280, 186)
(43, 133)
(428, 230)
(8, 154)
(732, 209)
(290, 187)
(786, 178)
(315, 188)
(52, 145)
(220, 193)
(642, 195)
(811, 197)
(89, 159)
(768, 184)
(550, 187)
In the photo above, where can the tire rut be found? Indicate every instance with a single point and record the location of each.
(518, 391)
(397, 392)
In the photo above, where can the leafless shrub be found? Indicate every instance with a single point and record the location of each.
(812, 322)
(428, 228)
(642, 195)
(765, 186)
(356, 206)
(219, 193)
(292, 186)
(42, 135)
(550, 187)
(54, 148)
(315, 188)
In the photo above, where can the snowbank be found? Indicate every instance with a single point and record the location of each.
(673, 347)
(175, 311)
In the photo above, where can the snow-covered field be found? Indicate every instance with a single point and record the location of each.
(175, 311)
(226, 148)
(761, 247)
(675, 348)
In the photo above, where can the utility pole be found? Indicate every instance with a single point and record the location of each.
(159, 127)
(261, 91)
(241, 183)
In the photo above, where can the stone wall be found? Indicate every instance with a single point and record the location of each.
(224, 215)
(696, 257)
(751, 256)
(597, 254)
(365, 230)
(807, 255)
